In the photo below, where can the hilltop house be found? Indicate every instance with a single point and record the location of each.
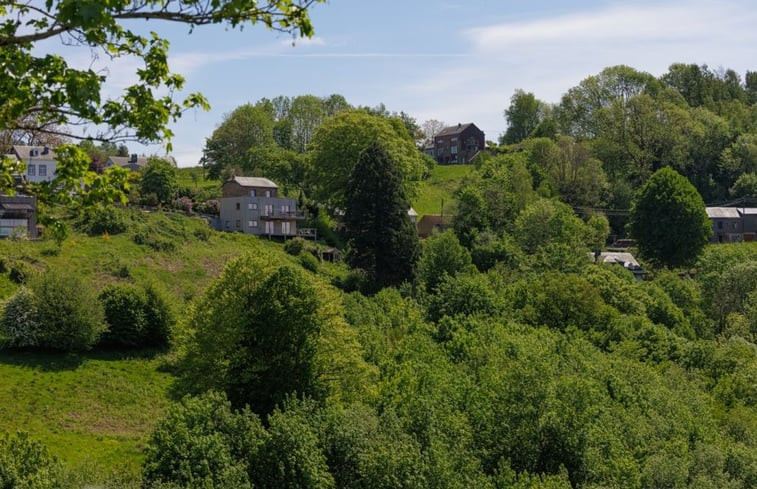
(251, 205)
(733, 224)
(40, 162)
(457, 144)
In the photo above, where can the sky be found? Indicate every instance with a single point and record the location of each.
(454, 61)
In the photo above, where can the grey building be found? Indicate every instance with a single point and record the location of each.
(252, 205)
(18, 213)
(733, 224)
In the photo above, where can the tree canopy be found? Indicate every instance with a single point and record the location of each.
(668, 219)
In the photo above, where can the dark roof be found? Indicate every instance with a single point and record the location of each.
(447, 131)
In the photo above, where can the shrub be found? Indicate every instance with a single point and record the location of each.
(25, 463)
(19, 322)
(21, 272)
(309, 262)
(208, 207)
(4, 264)
(105, 219)
(71, 318)
(202, 233)
(294, 246)
(136, 317)
(157, 243)
(355, 280)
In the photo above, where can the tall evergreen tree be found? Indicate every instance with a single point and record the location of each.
(383, 241)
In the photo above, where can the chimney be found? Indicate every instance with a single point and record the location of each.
(45, 150)
(458, 125)
(133, 158)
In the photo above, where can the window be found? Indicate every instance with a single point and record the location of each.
(237, 208)
(249, 206)
(268, 210)
(227, 224)
(454, 140)
(252, 224)
(267, 193)
(453, 150)
(239, 223)
(42, 170)
(720, 224)
(286, 227)
(285, 208)
(252, 193)
(269, 227)
(32, 170)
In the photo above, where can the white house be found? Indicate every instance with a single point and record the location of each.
(40, 162)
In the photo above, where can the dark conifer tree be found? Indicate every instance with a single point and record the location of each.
(383, 241)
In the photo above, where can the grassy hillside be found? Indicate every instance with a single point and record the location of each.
(444, 180)
(97, 409)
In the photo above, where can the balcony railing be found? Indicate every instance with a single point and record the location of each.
(282, 215)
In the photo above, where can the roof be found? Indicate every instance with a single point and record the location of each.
(142, 161)
(625, 259)
(748, 210)
(253, 182)
(16, 206)
(723, 213)
(24, 152)
(454, 129)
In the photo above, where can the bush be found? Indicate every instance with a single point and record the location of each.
(104, 219)
(356, 280)
(21, 272)
(70, 316)
(157, 243)
(294, 246)
(309, 262)
(19, 322)
(136, 317)
(25, 463)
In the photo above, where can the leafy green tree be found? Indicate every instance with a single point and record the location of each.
(58, 232)
(745, 186)
(136, 316)
(472, 214)
(247, 127)
(26, 463)
(382, 240)
(306, 113)
(203, 443)
(668, 220)
(46, 87)
(442, 255)
(159, 178)
(338, 143)
(524, 115)
(276, 348)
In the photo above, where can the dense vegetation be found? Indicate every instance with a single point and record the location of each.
(498, 356)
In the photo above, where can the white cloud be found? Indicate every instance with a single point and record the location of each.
(304, 42)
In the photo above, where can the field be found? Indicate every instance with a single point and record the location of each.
(441, 186)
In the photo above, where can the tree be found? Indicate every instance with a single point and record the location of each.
(339, 142)
(524, 115)
(275, 353)
(382, 240)
(442, 255)
(431, 128)
(46, 87)
(246, 127)
(159, 178)
(668, 220)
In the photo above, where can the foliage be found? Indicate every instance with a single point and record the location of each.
(463, 295)
(57, 231)
(524, 115)
(25, 463)
(102, 219)
(382, 240)
(203, 443)
(309, 262)
(159, 178)
(442, 255)
(668, 220)
(340, 140)
(70, 316)
(20, 321)
(294, 246)
(136, 317)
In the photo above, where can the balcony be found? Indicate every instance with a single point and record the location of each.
(282, 216)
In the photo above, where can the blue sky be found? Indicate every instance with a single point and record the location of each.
(455, 61)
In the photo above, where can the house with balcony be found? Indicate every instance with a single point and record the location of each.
(251, 205)
(40, 162)
(18, 215)
(457, 144)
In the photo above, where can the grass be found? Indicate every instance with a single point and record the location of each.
(444, 181)
(94, 409)
(193, 177)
